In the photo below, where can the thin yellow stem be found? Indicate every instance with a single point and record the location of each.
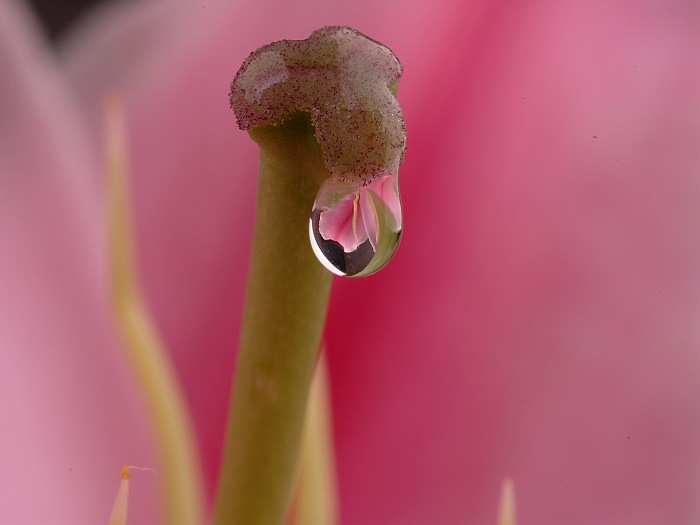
(179, 466)
(316, 502)
(506, 506)
(121, 502)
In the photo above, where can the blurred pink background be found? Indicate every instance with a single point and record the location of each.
(541, 319)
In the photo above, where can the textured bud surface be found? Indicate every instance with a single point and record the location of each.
(344, 81)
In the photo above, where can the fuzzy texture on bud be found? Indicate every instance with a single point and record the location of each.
(346, 82)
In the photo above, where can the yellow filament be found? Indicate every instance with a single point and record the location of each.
(506, 506)
(375, 217)
(316, 501)
(181, 488)
(118, 516)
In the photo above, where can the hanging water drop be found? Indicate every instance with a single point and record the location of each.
(355, 231)
(346, 83)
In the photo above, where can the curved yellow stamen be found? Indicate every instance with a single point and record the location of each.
(182, 488)
(119, 510)
(316, 491)
(506, 506)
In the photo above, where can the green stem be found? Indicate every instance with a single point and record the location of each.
(285, 310)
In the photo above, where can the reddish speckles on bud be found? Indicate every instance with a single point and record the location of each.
(346, 83)
(341, 79)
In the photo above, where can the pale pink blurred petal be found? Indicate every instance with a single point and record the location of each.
(540, 320)
(541, 317)
(194, 180)
(70, 416)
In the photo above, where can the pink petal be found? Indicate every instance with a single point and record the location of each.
(540, 317)
(194, 181)
(70, 415)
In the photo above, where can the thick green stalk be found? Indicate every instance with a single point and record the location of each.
(284, 316)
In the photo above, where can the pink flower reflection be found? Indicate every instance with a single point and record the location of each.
(541, 317)
(354, 219)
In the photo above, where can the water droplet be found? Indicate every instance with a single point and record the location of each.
(355, 231)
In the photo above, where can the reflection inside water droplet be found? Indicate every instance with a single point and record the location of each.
(355, 231)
